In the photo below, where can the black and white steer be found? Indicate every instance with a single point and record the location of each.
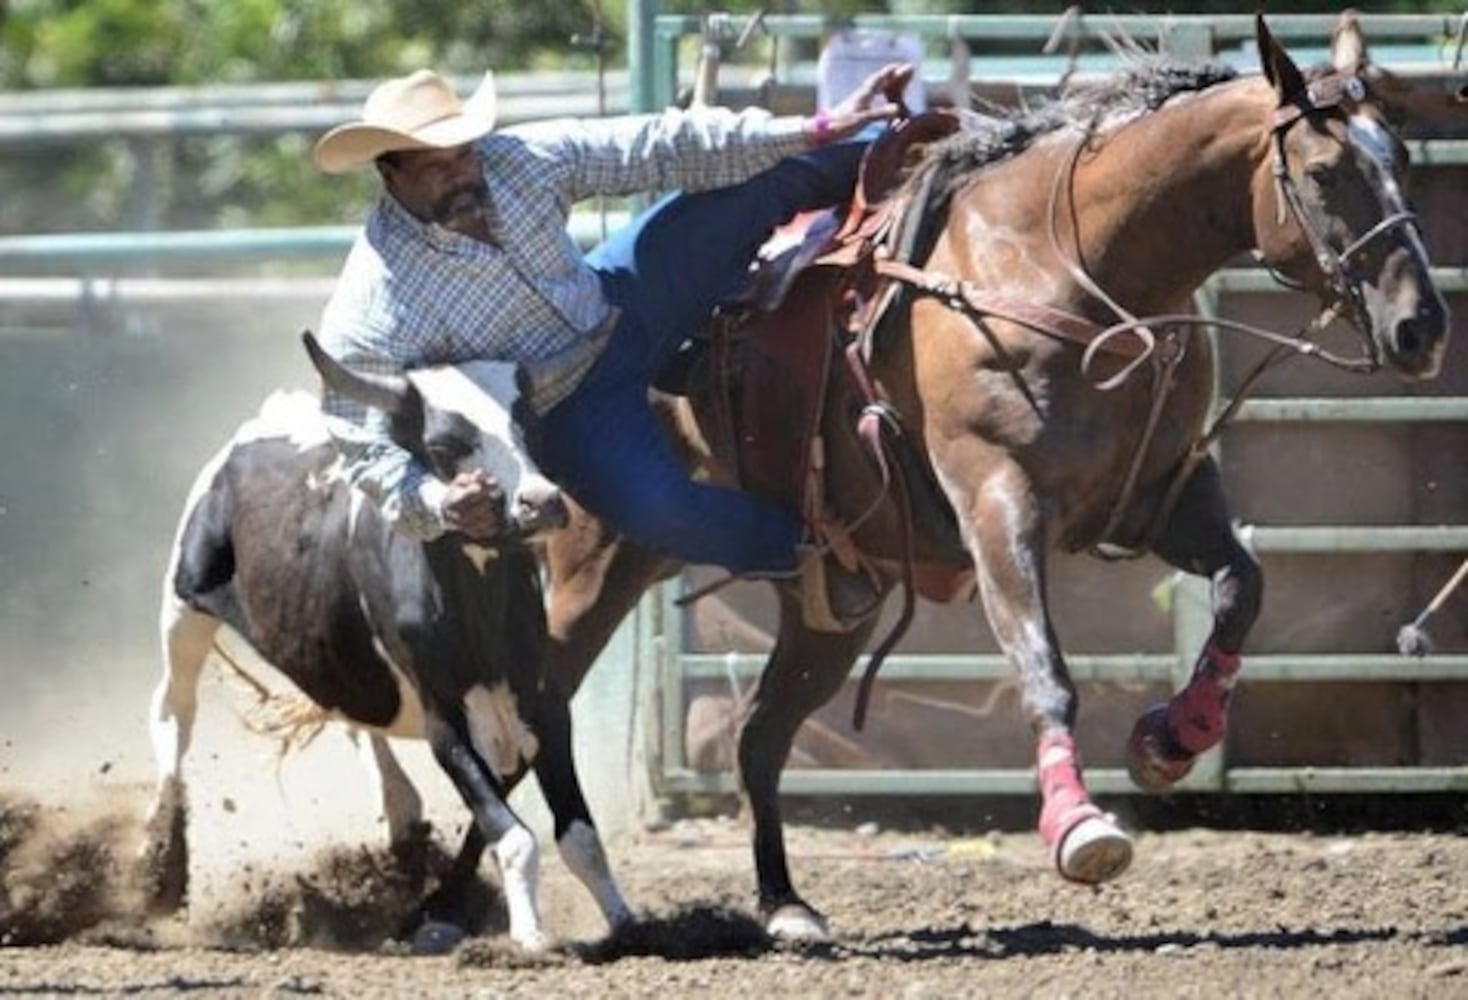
(439, 640)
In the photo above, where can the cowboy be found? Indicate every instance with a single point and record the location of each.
(466, 256)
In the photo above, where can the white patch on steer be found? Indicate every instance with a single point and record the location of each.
(484, 393)
(390, 786)
(519, 861)
(480, 556)
(582, 851)
(293, 415)
(498, 732)
(409, 722)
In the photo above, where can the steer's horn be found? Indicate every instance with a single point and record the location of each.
(387, 393)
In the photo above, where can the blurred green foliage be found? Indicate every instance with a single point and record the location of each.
(238, 181)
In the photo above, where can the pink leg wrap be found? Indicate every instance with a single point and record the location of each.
(1197, 715)
(1066, 801)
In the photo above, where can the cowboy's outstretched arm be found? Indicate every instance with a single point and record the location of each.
(697, 149)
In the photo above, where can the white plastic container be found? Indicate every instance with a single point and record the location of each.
(850, 56)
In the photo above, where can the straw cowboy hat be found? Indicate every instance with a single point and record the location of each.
(418, 111)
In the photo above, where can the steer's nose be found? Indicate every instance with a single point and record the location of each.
(539, 506)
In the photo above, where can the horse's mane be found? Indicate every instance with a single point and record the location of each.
(994, 136)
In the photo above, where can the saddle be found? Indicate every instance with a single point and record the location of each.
(813, 298)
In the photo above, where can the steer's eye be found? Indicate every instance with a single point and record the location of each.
(445, 454)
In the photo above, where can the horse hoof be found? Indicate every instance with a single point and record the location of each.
(1148, 760)
(1095, 850)
(796, 922)
(436, 937)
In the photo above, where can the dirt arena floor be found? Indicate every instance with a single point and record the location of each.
(915, 913)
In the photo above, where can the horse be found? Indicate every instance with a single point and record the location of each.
(1040, 356)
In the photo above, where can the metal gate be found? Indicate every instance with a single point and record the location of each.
(1315, 403)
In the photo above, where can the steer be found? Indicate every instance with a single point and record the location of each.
(439, 640)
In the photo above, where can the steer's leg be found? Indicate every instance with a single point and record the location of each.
(187, 637)
(576, 836)
(1200, 539)
(1003, 526)
(400, 805)
(804, 671)
(508, 838)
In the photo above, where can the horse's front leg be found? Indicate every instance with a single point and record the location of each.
(1004, 527)
(1200, 539)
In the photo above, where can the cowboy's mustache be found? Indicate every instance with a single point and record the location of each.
(460, 200)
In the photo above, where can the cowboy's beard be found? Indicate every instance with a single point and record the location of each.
(467, 203)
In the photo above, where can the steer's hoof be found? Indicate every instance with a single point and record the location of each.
(1093, 851)
(436, 937)
(797, 923)
(1152, 758)
(161, 870)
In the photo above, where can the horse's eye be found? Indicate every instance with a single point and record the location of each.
(1322, 173)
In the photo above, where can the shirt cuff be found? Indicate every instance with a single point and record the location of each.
(432, 494)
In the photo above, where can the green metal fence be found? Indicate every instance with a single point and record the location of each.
(1395, 39)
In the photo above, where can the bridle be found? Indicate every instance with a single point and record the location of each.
(1324, 97)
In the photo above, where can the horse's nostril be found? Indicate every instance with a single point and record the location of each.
(1409, 336)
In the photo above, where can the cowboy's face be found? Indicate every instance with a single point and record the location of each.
(439, 185)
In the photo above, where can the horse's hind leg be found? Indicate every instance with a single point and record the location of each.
(1006, 533)
(804, 672)
(1199, 539)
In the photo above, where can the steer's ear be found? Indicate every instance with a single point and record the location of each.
(388, 393)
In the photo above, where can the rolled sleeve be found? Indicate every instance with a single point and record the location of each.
(691, 150)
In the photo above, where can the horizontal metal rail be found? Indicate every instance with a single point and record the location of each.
(55, 118)
(147, 248)
(1368, 409)
(1101, 780)
(1336, 539)
(1120, 668)
(1021, 27)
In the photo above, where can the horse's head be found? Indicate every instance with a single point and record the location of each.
(1339, 221)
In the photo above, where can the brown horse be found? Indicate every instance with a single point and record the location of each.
(1106, 211)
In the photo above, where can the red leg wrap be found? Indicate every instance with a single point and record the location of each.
(1066, 801)
(1197, 715)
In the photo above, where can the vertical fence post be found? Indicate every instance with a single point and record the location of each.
(640, 17)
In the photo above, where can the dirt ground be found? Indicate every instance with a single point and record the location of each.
(1203, 913)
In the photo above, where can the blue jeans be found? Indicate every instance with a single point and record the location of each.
(666, 272)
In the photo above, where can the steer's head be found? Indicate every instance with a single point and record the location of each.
(456, 418)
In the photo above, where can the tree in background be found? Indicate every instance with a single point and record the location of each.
(229, 181)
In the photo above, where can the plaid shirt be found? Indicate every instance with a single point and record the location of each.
(414, 293)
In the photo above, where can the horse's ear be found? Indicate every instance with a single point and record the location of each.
(1348, 46)
(1279, 69)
